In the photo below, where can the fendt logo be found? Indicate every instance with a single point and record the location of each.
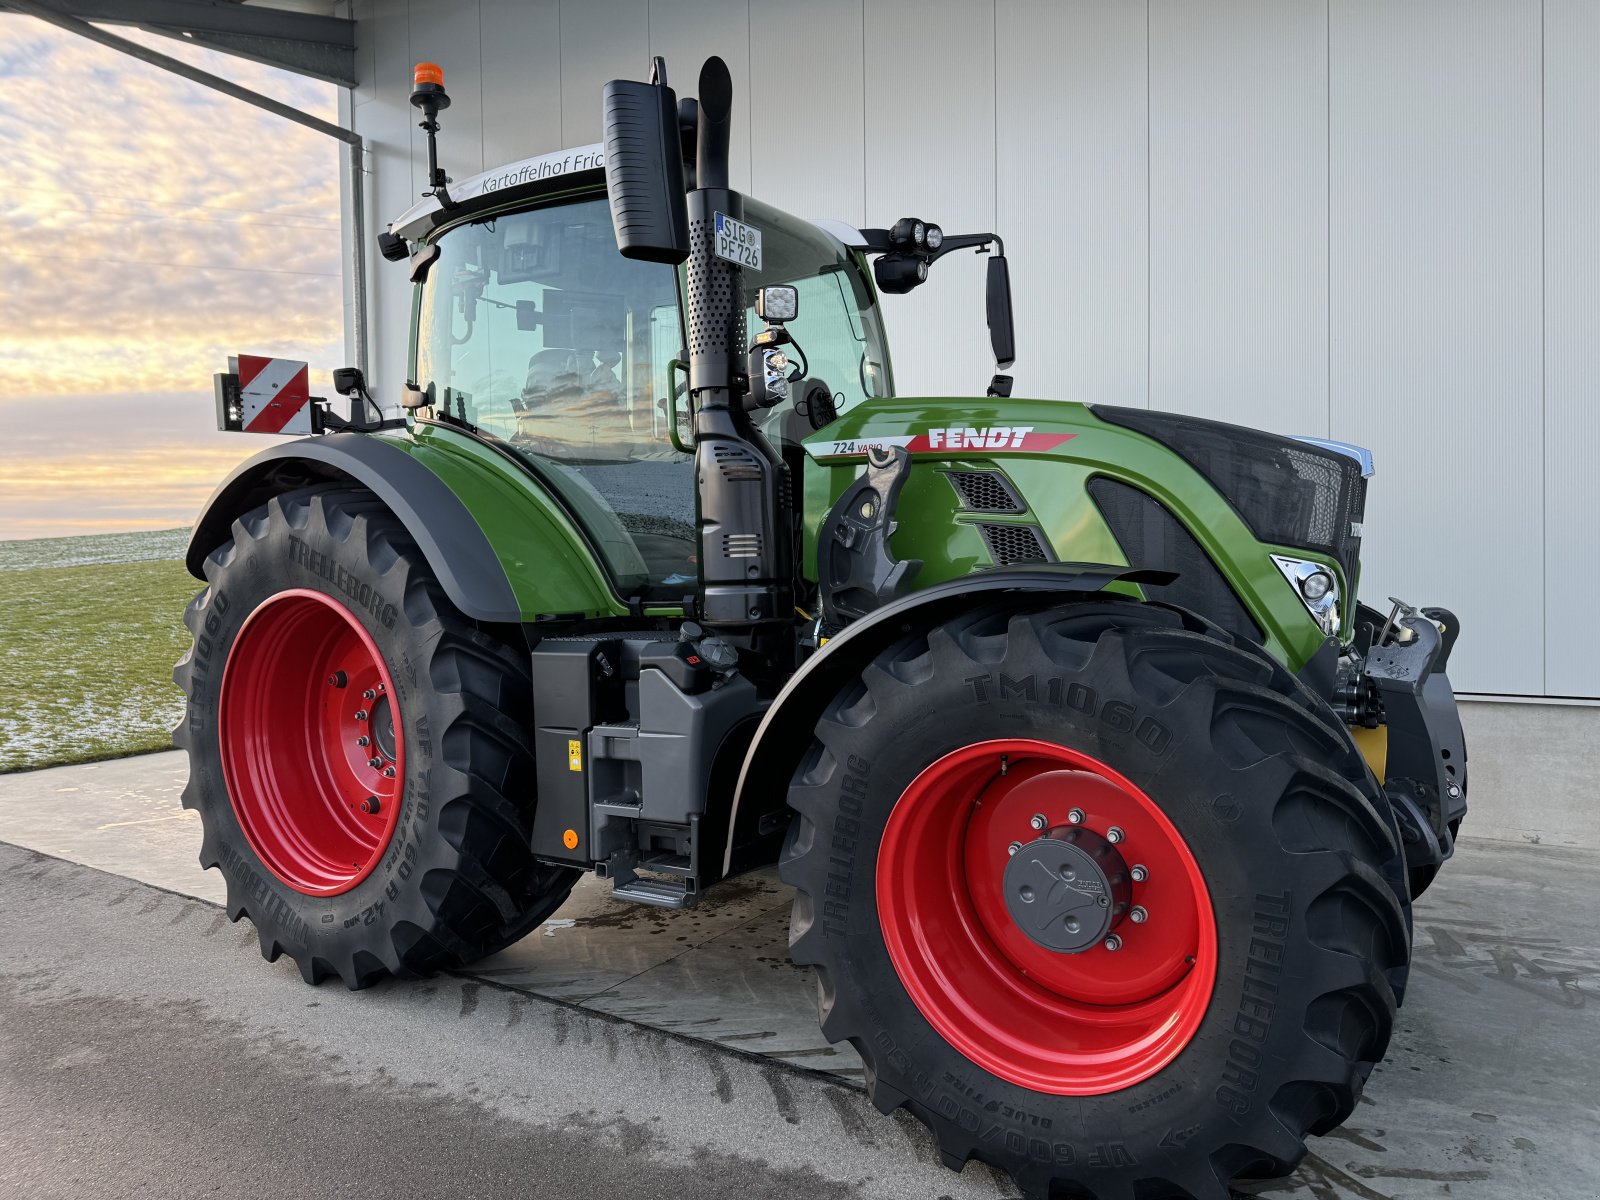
(999, 438)
(946, 441)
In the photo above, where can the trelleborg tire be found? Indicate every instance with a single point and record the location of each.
(359, 751)
(1243, 1006)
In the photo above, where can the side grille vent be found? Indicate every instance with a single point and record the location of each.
(1015, 544)
(737, 464)
(985, 491)
(741, 545)
(1150, 536)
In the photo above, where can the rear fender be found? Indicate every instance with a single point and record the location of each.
(759, 816)
(501, 570)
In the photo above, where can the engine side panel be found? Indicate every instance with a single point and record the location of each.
(1048, 452)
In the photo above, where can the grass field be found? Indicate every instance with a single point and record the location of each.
(89, 630)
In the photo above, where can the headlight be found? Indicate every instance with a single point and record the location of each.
(919, 232)
(935, 237)
(1317, 587)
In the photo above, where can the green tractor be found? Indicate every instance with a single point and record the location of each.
(1103, 799)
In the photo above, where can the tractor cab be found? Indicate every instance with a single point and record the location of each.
(531, 327)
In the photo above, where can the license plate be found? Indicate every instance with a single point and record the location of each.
(738, 243)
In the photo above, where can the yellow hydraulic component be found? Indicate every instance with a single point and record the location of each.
(1374, 747)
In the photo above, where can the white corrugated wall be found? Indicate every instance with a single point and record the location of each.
(1362, 219)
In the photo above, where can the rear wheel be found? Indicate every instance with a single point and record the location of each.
(1102, 898)
(358, 750)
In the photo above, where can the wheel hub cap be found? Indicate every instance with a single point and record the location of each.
(1066, 889)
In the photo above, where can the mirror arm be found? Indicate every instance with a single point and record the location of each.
(964, 241)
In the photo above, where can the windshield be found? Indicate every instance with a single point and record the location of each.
(532, 326)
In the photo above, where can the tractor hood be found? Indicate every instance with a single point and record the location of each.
(1002, 481)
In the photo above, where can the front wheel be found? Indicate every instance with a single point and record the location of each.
(1102, 898)
(358, 751)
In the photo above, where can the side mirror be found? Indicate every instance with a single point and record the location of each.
(1002, 335)
(644, 169)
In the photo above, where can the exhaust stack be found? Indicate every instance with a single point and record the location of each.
(742, 487)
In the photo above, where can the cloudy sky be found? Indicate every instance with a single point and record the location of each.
(150, 227)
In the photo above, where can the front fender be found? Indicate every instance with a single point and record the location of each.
(760, 797)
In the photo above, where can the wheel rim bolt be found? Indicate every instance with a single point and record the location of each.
(388, 772)
(1038, 821)
(374, 763)
(1075, 817)
(370, 805)
(1137, 914)
(1114, 835)
(361, 714)
(1113, 942)
(364, 740)
(369, 694)
(337, 679)
(1138, 873)
(1014, 847)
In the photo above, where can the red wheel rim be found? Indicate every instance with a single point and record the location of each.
(313, 751)
(1070, 1024)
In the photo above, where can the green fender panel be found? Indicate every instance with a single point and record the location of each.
(503, 548)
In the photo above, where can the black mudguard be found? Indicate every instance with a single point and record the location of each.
(759, 817)
(444, 530)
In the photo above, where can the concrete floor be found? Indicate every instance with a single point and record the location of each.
(1486, 1092)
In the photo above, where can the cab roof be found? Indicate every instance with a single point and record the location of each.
(528, 178)
(531, 178)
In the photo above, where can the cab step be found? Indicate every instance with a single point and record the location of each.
(662, 893)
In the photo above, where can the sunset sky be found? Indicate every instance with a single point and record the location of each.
(151, 227)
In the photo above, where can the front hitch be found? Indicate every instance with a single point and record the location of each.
(1426, 775)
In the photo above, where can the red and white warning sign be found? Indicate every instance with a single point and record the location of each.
(274, 394)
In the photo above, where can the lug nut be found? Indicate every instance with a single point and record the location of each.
(1038, 821)
(1137, 914)
(1138, 873)
(388, 772)
(361, 714)
(1075, 817)
(369, 694)
(337, 679)
(1113, 942)
(1114, 835)
(363, 740)
(1014, 847)
(374, 763)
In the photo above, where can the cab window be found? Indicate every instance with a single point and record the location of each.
(839, 331)
(533, 327)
